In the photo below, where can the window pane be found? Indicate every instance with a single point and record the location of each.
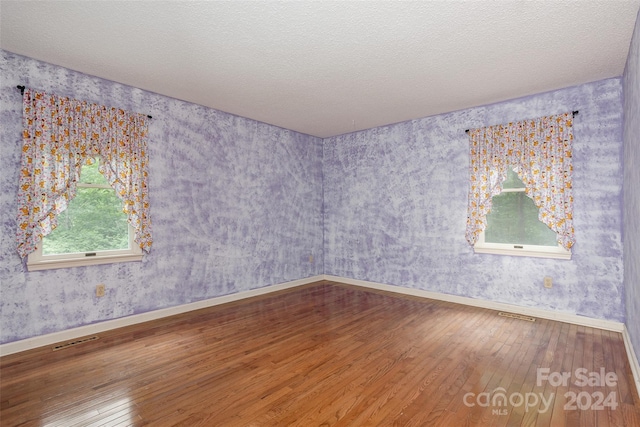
(514, 219)
(93, 221)
(512, 180)
(91, 175)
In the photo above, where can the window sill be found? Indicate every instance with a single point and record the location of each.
(79, 262)
(554, 254)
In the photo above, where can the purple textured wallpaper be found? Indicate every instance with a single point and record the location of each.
(395, 207)
(236, 205)
(631, 226)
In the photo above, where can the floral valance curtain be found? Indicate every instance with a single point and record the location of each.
(60, 135)
(540, 152)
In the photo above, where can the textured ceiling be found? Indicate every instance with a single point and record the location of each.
(325, 68)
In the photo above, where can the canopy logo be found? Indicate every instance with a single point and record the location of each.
(498, 401)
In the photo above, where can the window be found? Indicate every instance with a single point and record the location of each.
(92, 230)
(540, 150)
(60, 134)
(513, 227)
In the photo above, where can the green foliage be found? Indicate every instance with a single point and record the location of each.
(514, 218)
(512, 180)
(93, 220)
(90, 174)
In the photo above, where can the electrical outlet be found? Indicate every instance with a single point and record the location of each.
(100, 290)
(548, 283)
(310, 259)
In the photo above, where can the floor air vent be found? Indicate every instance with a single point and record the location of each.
(75, 342)
(517, 316)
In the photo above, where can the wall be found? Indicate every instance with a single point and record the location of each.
(631, 225)
(236, 205)
(395, 207)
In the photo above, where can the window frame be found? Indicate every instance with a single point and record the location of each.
(36, 260)
(517, 249)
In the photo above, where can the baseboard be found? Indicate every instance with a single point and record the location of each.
(511, 308)
(70, 334)
(492, 305)
(633, 359)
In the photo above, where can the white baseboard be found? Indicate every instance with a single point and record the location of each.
(71, 334)
(608, 325)
(633, 358)
(528, 311)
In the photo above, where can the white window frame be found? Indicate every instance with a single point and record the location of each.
(516, 249)
(38, 261)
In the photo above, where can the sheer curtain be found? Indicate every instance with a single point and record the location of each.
(60, 135)
(540, 152)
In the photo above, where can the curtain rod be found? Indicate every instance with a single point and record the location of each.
(22, 93)
(575, 113)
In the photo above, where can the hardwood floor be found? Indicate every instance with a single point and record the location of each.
(327, 355)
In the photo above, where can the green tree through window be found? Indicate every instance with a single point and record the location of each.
(93, 220)
(513, 227)
(514, 217)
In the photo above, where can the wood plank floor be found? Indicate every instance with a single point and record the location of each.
(327, 355)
